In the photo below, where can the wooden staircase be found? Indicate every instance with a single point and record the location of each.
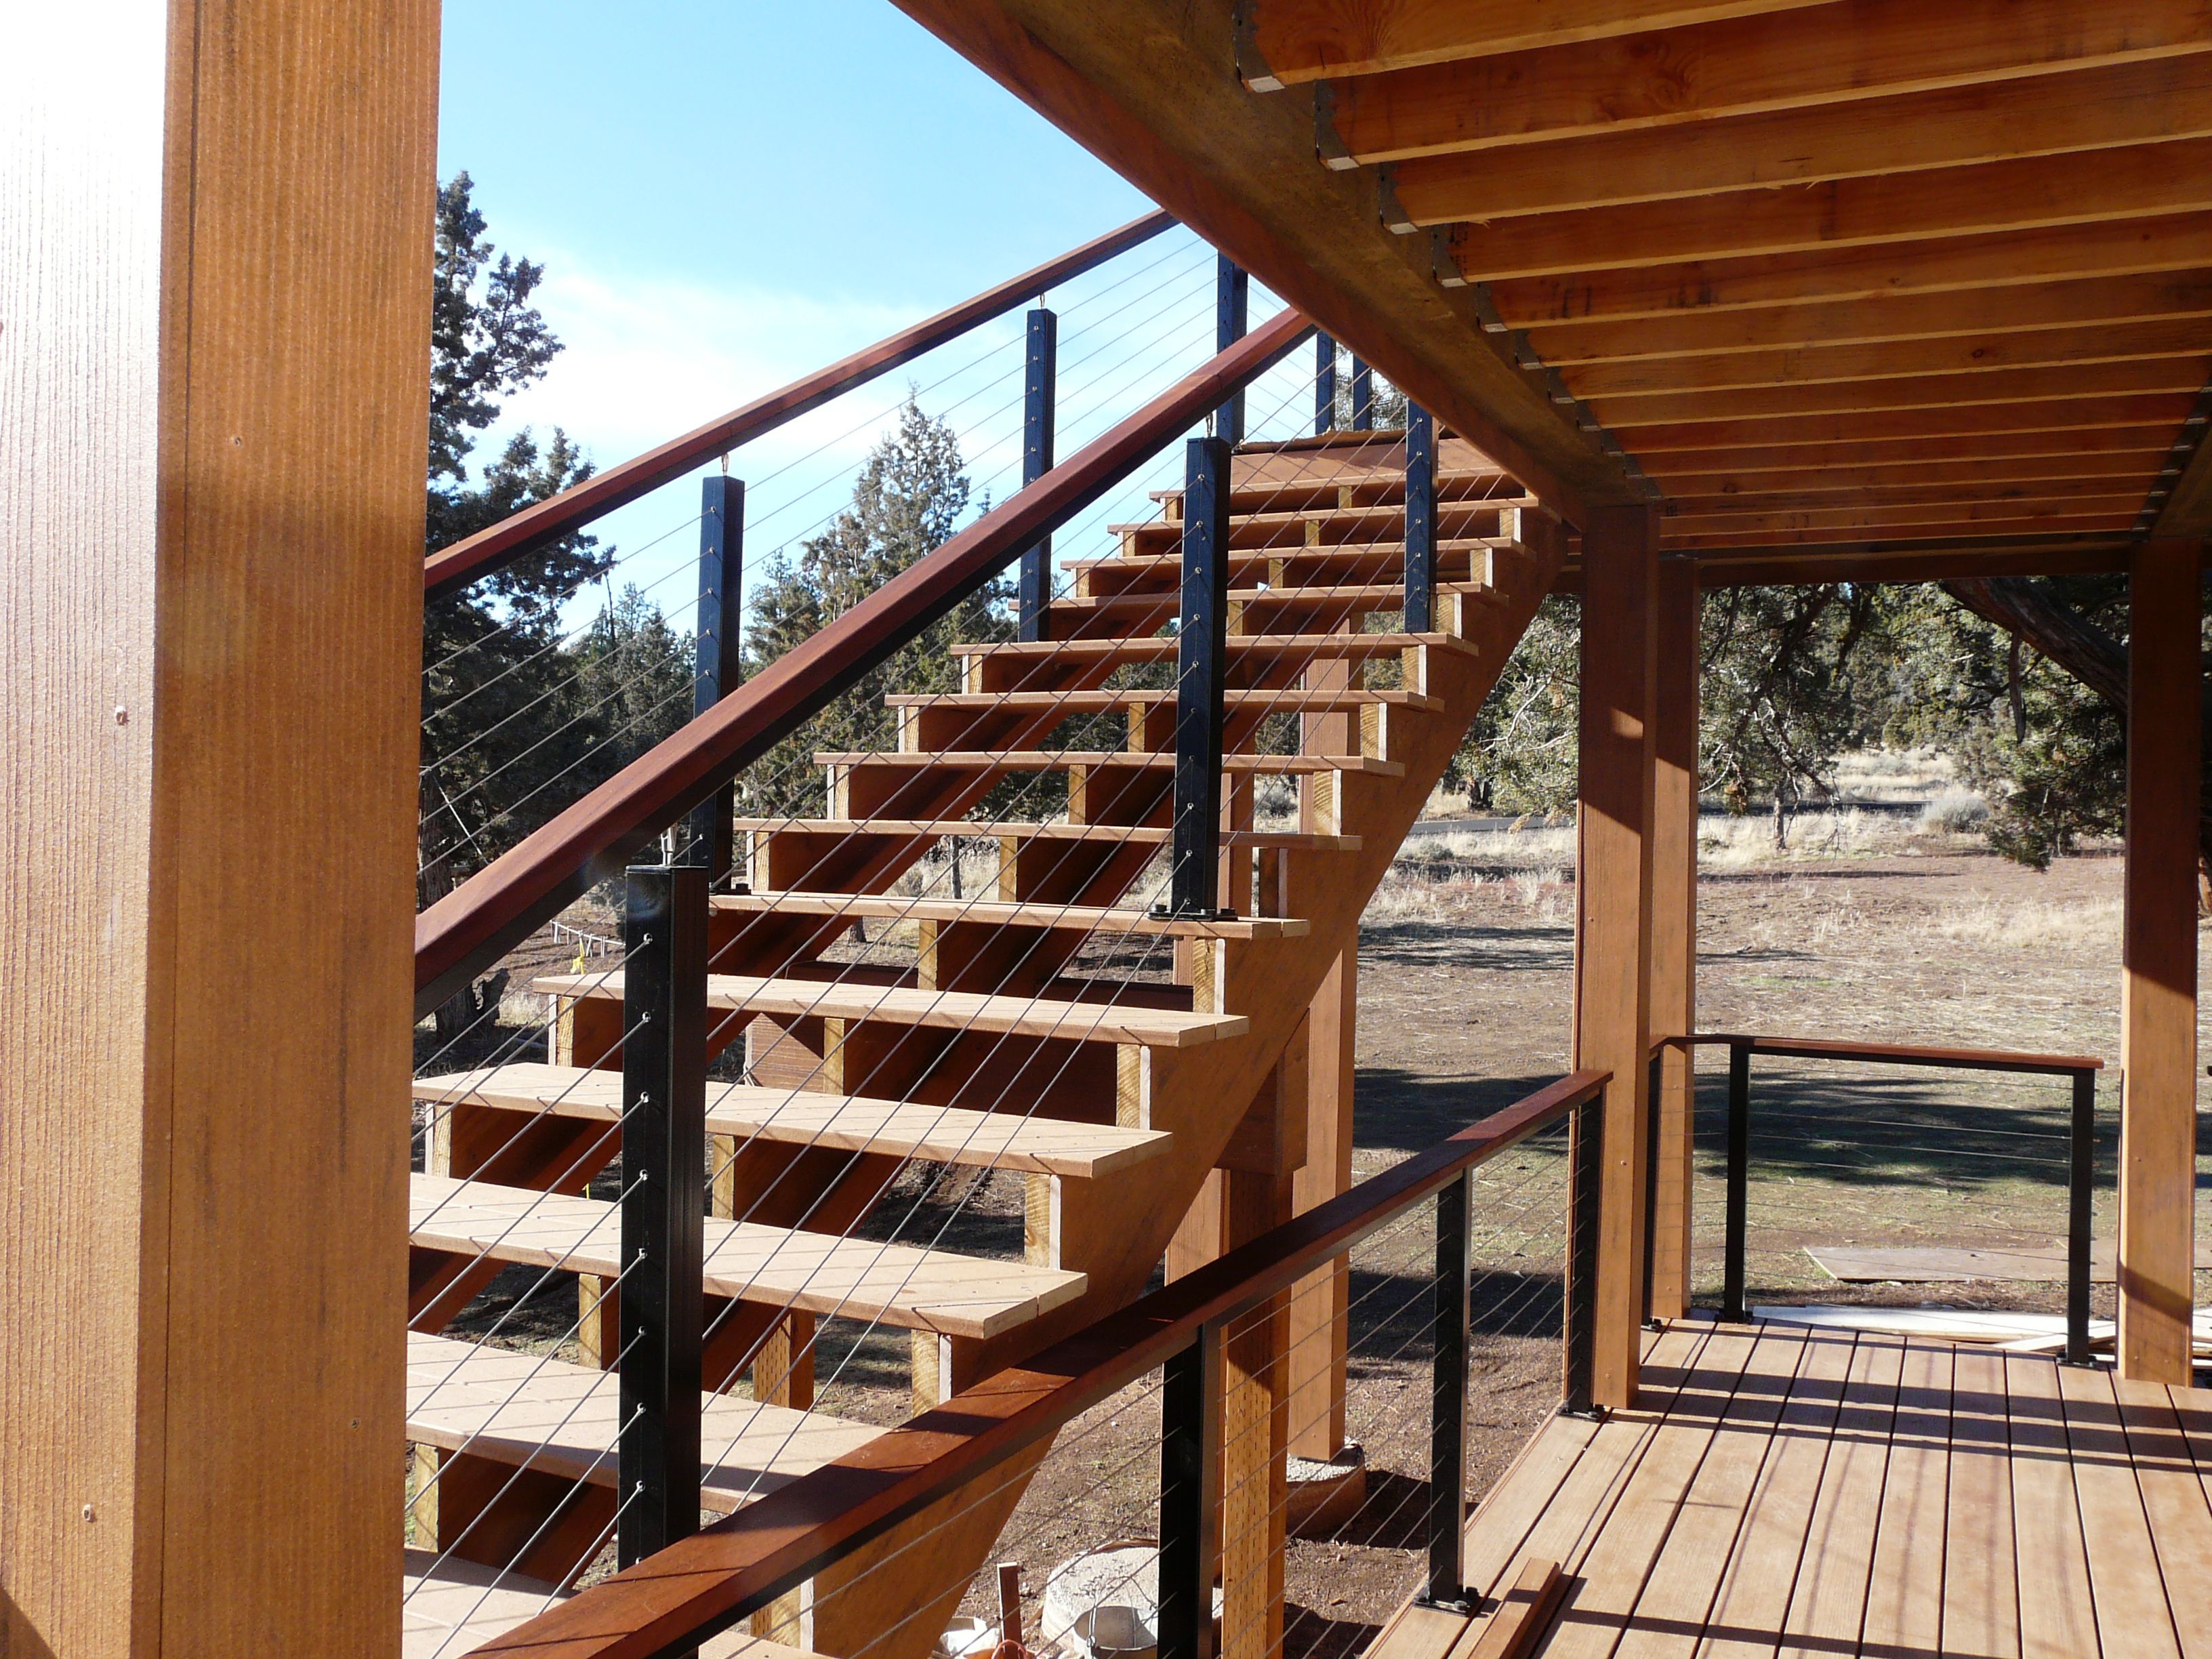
(1011, 1042)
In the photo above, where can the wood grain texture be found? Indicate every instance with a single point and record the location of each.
(2158, 1005)
(1613, 904)
(219, 724)
(1676, 781)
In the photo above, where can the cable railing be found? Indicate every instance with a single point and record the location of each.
(700, 1586)
(590, 1148)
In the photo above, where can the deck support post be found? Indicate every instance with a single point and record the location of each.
(717, 662)
(1232, 296)
(211, 490)
(1324, 386)
(1363, 396)
(1674, 932)
(1190, 1496)
(1614, 908)
(2158, 1007)
(1420, 594)
(1039, 378)
(1321, 1302)
(1203, 648)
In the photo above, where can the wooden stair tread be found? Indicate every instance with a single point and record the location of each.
(1264, 597)
(820, 1274)
(452, 1607)
(892, 907)
(1290, 840)
(802, 999)
(1322, 647)
(1046, 760)
(1242, 559)
(1091, 702)
(545, 1413)
(1290, 518)
(939, 1135)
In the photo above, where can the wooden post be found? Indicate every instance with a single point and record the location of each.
(1320, 1303)
(1612, 911)
(1675, 926)
(2158, 1005)
(211, 499)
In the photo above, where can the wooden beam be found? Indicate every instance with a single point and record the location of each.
(2153, 410)
(2141, 181)
(1857, 49)
(2130, 103)
(1675, 926)
(1784, 529)
(1613, 907)
(2188, 509)
(1297, 40)
(2013, 388)
(1813, 498)
(1997, 474)
(1149, 87)
(2061, 447)
(1321, 1302)
(1800, 566)
(2158, 1002)
(1967, 354)
(211, 499)
(1975, 313)
(2112, 247)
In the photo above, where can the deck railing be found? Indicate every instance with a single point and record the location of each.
(2082, 1070)
(700, 1586)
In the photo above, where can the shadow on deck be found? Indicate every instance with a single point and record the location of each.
(1782, 1490)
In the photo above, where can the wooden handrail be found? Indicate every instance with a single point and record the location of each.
(1888, 1053)
(545, 522)
(472, 927)
(705, 1583)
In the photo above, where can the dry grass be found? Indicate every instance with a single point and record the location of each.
(2086, 925)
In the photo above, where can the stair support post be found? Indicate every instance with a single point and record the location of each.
(1200, 660)
(1040, 382)
(1363, 396)
(1614, 908)
(718, 666)
(1232, 296)
(1420, 521)
(1190, 1496)
(663, 1205)
(2158, 1005)
(1447, 1520)
(1324, 386)
(1674, 934)
(1321, 1302)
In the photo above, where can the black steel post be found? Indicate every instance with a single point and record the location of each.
(718, 658)
(1585, 1191)
(1194, 879)
(664, 1144)
(1448, 1413)
(1420, 521)
(1363, 396)
(1190, 1496)
(1324, 385)
(1232, 294)
(1652, 1183)
(1039, 383)
(2081, 1179)
(1739, 1183)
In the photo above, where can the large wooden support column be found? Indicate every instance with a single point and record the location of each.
(2158, 1007)
(1613, 912)
(1675, 926)
(1321, 1302)
(217, 219)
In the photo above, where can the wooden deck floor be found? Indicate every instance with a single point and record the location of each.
(1785, 1492)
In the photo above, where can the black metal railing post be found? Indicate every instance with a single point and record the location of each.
(1652, 1074)
(664, 1138)
(1739, 1183)
(1363, 396)
(1194, 879)
(1233, 296)
(1448, 1413)
(1040, 382)
(718, 661)
(1324, 386)
(1190, 1496)
(1420, 521)
(1585, 1193)
(2080, 1177)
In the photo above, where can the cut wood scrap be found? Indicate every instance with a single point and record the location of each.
(1943, 1324)
(946, 1135)
(539, 1413)
(819, 1274)
(1513, 1628)
(1914, 1264)
(1034, 1017)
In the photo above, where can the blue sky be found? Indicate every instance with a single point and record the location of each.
(728, 196)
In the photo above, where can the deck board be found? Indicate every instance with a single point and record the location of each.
(1795, 1491)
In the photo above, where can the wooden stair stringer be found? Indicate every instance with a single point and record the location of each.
(1116, 1244)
